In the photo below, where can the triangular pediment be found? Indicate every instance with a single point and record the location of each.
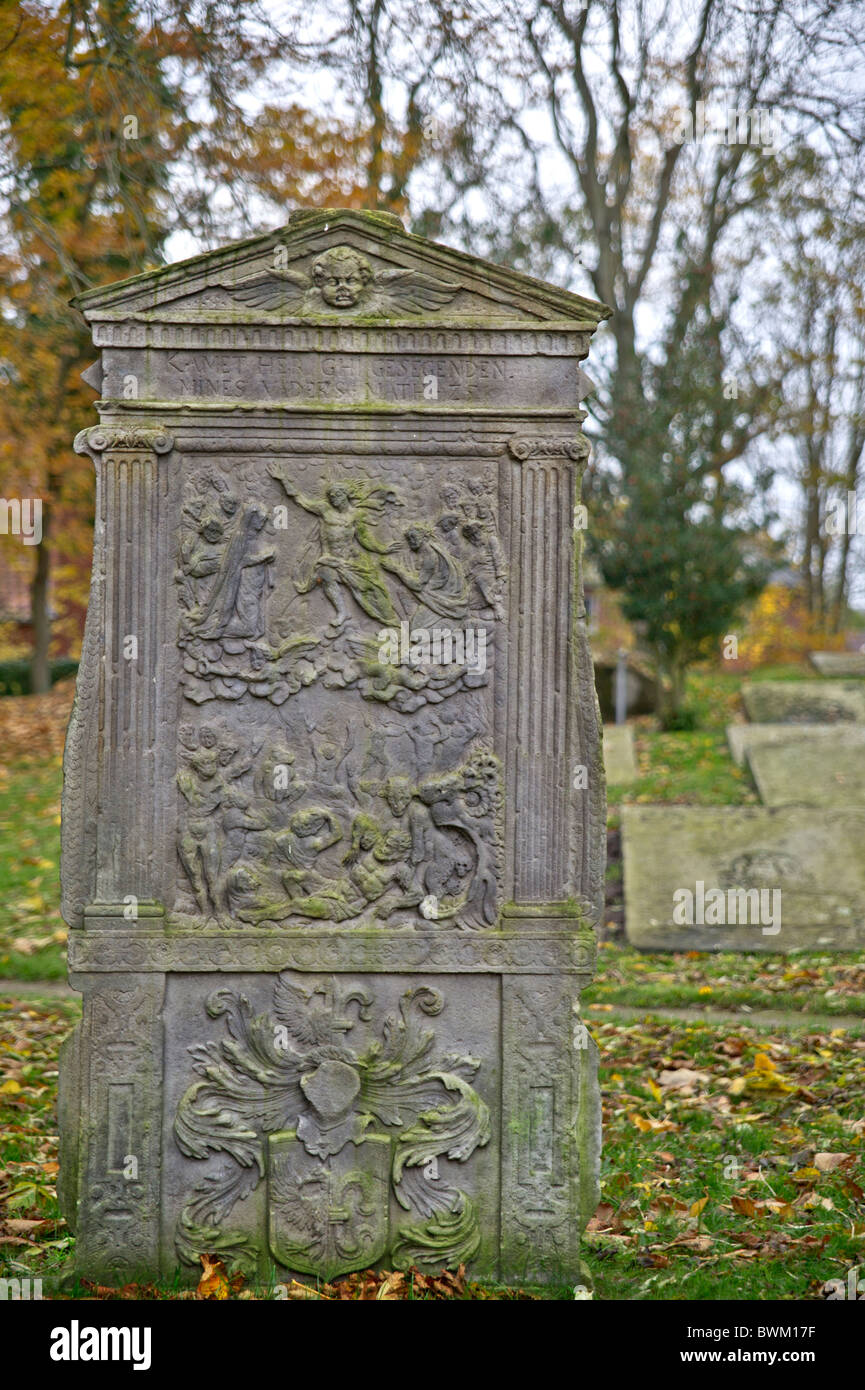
(339, 265)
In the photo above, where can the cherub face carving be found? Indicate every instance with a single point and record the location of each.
(341, 277)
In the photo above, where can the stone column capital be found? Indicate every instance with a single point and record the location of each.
(547, 448)
(129, 439)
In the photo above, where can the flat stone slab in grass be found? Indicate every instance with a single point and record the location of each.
(742, 738)
(839, 663)
(748, 878)
(824, 771)
(620, 761)
(804, 702)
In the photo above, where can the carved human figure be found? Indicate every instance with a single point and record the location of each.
(235, 607)
(426, 735)
(200, 558)
(340, 276)
(376, 758)
(205, 781)
(348, 551)
(329, 779)
(448, 527)
(309, 892)
(278, 779)
(485, 565)
(436, 577)
(381, 872)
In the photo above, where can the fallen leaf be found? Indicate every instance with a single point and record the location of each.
(213, 1283)
(389, 1290)
(828, 1162)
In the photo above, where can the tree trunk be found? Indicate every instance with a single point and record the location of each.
(671, 692)
(40, 666)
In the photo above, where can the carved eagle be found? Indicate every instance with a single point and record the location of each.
(342, 279)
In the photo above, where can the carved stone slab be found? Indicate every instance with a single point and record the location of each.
(334, 799)
(744, 878)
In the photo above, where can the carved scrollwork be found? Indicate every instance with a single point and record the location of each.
(99, 439)
(525, 448)
(334, 1127)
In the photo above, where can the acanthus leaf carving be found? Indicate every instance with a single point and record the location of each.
(334, 1127)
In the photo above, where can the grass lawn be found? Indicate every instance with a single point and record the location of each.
(32, 932)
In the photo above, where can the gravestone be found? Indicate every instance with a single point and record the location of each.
(805, 702)
(333, 810)
(743, 738)
(826, 771)
(620, 761)
(839, 663)
(756, 878)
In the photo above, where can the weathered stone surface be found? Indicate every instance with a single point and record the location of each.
(826, 771)
(804, 702)
(741, 738)
(812, 857)
(330, 876)
(620, 759)
(839, 663)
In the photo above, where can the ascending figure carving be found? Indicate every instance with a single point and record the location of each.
(347, 548)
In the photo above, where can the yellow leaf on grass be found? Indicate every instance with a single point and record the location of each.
(776, 1207)
(10, 1088)
(32, 904)
(696, 1208)
(649, 1126)
(655, 1089)
(764, 1063)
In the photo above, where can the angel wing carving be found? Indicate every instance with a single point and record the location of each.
(273, 289)
(340, 279)
(412, 290)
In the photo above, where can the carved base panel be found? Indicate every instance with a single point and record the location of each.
(310, 1124)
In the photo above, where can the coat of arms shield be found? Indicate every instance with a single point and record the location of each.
(328, 1216)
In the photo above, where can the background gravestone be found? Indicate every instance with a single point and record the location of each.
(731, 860)
(743, 739)
(839, 663)
(805, 702)
(331, 878)
(825, 771)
